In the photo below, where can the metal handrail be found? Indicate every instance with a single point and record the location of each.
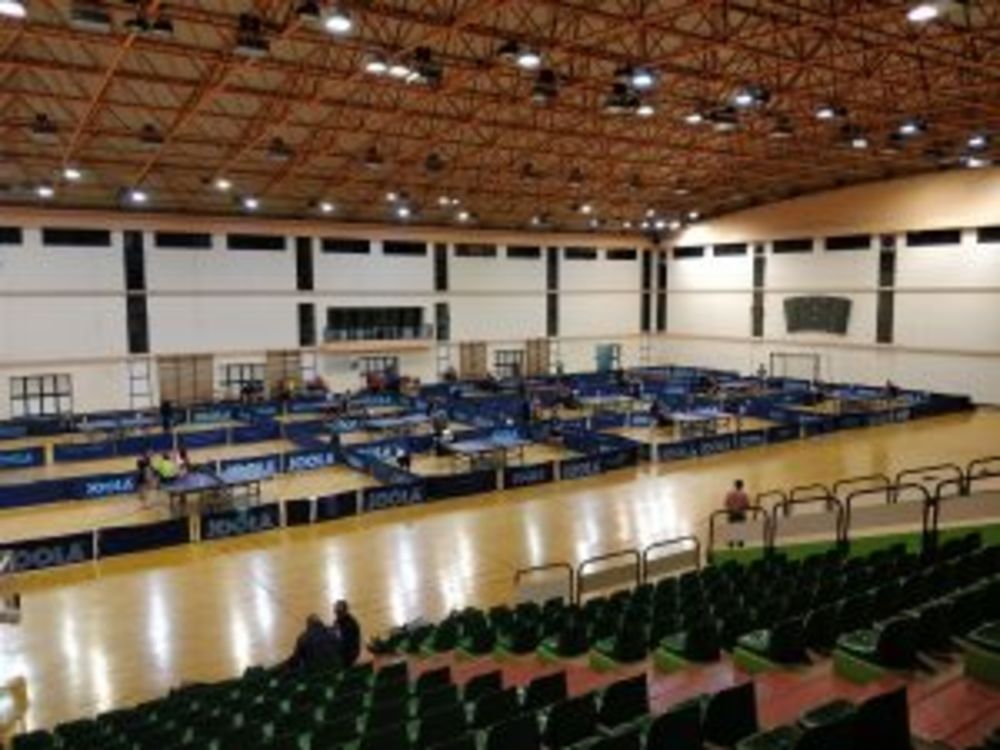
(927, 473)
(761, 497)
(571, 575)
(669, 543)
(753, 511)
(973, 472)
(633, 553)
(892, 497)
(786, 506)
(810, 492)
(884, 480)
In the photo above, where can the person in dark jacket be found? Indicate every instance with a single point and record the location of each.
(348, 633)
(316, 648)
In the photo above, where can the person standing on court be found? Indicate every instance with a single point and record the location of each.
(167, 415)
(348, 633)
(737, 504)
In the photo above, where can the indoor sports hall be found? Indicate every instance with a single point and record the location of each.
(499, 375)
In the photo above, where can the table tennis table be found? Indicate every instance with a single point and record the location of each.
(489, 452)
(115, 427)
(692, 424)
(607, 402)
(217, 489)
(397, 425)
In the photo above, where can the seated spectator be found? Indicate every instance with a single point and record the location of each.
(317, 648)
(737, 505)
(403, 459)
(347, 632)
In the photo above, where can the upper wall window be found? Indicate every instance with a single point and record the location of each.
(803, 245)
(76, 237)
(580, 253)
(183, 241)
(688, 251)
(275, 242)
(524, 252)
(345, 247)
(404, 248)
(729, 249)
(11, 236)
(621, 255)
(848, 242)
(988, 234)
(934, 237)
(475, 251)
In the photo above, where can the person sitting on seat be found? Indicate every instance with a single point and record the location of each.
(439, 420)
(403, 459)
(661, 416)
(316, 648)
(891, 390)
(441, 442)
(347, 632)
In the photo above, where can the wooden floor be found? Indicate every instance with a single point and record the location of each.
(124, 630)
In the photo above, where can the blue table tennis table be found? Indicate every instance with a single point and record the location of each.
(214, 489)
(700, 422)
(492, 451)
(116, 427)
(397, 425)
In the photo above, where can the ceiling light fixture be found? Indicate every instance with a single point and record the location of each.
(979, 141)
(13, 9)
(675, 225)
(859, 142)
(399, 70)
(749, 96)
(222, 184)
(45, 191)
(528, 59)
(694, 118)
(829, 112)
(586, 209)
(463, 216)
(403, 211)
(392, 196)
(326, 207)
(250, 203)
(377, 66)
(912, 127)
(660, 224)
(643, 78)
(338, 21)
(975, 161)
(137, 196)
(72, 174)
(645, 110)
(693, 216)
(923, 12)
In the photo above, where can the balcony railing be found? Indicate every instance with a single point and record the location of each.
(422, 332)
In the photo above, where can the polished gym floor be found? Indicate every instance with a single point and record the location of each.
(117, 632)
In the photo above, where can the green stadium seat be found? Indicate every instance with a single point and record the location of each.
(630, 740)
(522, 637)
(731, 715)
(430, 701)
(784, 643)
(519, 733)
(333, 735)
(838, 735)
(432, 680)
(698, 644)
(465, 742)
(820, 628)
(441, 726)
(570, 721)
(37, 740)
(395, 674)
(481, 684)
(933, 624)
(478, 636)
(387, 713)
(494, 708)
(388, 738)
(571, 640)
(892, 644)
(883, 722)
(545, 691)
(623, 702)
(445, 636)
(628, 645)
(677, 729)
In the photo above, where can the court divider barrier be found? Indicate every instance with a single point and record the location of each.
(22, 458)
(955, 490)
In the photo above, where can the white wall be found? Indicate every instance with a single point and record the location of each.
(947, 299)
